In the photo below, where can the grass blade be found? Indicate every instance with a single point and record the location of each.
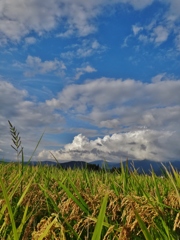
(99, 224)
(143, 227)
(80, 203)
(36, 147)
(14, 229)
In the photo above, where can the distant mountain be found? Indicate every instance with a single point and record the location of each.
(65, 165)
(142, 166)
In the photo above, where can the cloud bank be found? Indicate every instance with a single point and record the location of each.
(145, 117)
(142, 118)
(29, 117)
(117, 103)
(134, 145)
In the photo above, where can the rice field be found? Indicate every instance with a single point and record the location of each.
(51, 203)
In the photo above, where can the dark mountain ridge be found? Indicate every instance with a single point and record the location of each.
(142, 166)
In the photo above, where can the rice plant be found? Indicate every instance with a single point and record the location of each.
(16, 139)
(55, 203)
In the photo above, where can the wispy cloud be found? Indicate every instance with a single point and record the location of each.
(136, 29)
(158, 30)
(85, 49)
(30, 40)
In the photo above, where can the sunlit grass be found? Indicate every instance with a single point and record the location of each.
(44, 202)
(82, 204)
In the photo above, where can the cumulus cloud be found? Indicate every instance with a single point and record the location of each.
(153, 33)
(21, 17)
(143, 116)
(173, 12)
(83, 70)
(14, 104)
(34, 66)
(106, 91)
(30, 118)
(160, 34)
(122, 104)
(136, 145)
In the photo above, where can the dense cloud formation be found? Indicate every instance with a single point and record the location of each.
(63, 71)
(148, 114)
(126, 106)
(123, 103)
(134, 145)
(26, 115)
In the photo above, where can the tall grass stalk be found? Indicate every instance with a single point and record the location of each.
(100, 220)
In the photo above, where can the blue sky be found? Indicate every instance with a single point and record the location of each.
(101, 78)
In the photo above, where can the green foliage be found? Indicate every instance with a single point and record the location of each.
(86, 204)
(54, 203)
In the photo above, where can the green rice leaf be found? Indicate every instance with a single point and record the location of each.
(143, 227)
(100, 219)
(14, 229)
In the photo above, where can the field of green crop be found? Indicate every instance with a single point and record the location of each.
(50, 203)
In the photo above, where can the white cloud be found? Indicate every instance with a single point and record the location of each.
(177, 42)
(143, 38)
(30, 40)
(122, 103)
(65, 34)
(34, 66)
(114, 123)
(150, 113)
(139, 145)
(139, 4)
(160, 34)
(152, 33)
(159, 77)
(163, 24)
(30, 118)
(86, 49)
(13, 104)
(83, 70)
(21, 17)
(173, 12)
(136, 29)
